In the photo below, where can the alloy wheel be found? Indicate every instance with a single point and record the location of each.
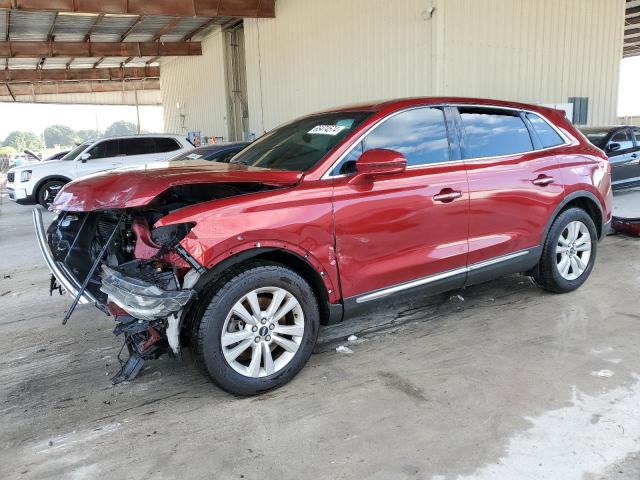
(262, 332)
(573, 250)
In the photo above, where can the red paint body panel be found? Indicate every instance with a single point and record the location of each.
(390, 230)
(135, 187)
(386, 230)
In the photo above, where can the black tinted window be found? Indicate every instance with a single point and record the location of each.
(490, 133)
(300, 145)
(166, 145)
(547, 135)
(105, 149)
(137, 146)
(419, 134)
(622, 138)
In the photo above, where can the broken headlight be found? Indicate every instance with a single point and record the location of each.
(170, 235)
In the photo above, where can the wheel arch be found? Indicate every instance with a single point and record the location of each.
(42, 181)
(584, 200)
(330, 313)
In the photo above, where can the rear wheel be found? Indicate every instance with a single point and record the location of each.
(258, 329)
(569, 252)
(48, 191)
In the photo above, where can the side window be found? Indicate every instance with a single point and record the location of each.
(493, 132)
(164, 144)
(636, 136)
(137, 146)
(106, 149)
(547, 135)
(348, 164)
(620, 141)
(419, 134)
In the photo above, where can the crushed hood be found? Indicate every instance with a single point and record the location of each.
(135, 187)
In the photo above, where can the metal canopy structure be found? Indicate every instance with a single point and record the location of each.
(632, 29)
(80, 46)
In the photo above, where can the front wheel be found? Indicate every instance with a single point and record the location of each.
(258, 329)
(569, 252)
(48, 191)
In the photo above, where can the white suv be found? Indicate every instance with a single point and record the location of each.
(40, 182)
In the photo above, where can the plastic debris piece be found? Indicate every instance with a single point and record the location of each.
(603, 373)
(343, 349)
(352, 338)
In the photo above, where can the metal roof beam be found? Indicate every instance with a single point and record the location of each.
(199, 8)
(98, 49)
(75, 74)
(80, 87)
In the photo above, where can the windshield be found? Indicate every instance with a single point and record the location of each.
(195, 154)
(301, 144)
(595, 136)
(76, 151)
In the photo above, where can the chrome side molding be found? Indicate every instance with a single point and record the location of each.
(438, 276)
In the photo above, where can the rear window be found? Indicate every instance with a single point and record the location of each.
(546, 133)
(137, 146)
(493, 132)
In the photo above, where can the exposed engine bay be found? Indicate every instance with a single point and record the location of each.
(139, 274)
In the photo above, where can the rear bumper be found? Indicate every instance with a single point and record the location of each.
(58, 269)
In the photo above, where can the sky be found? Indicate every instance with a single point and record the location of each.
(36, 117)
(629, 94)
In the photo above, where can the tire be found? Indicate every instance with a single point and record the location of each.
(215, 322)
(549, 274)
(47, 189)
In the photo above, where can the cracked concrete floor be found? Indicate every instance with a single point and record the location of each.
(503, 382)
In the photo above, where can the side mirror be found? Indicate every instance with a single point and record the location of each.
(613, 147)
(379, 161)
(84, 157)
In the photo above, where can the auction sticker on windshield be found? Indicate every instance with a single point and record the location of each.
(326, 129)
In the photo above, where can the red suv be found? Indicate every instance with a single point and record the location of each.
(322, 216)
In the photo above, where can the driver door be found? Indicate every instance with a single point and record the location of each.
(101, 157)
(406, 229)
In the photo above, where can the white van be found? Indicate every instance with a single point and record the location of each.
(40, 182)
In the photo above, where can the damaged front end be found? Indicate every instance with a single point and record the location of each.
(113, 260)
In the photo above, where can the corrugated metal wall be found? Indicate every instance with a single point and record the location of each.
(197, 84)
(315, 55)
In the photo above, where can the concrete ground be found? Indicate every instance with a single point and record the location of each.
(501, 381)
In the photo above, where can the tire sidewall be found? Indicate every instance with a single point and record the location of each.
(215, 314)
(566, 217)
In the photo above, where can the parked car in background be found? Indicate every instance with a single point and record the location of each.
(324, 216)
(57, 156)
(39, 183)
(23, 158)
(622, 145)
(222, 152)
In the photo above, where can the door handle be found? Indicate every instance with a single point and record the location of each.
(447, 195)
(543, 180)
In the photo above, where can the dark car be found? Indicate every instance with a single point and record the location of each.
(321, 218)
(214, 153)
(622, 146)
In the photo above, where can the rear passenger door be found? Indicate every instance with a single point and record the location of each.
(138, 151)
(514, 184)
(623, 156)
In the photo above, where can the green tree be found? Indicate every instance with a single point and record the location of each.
(59, 135)
(21, 140)
(84, 135)
(120, 128)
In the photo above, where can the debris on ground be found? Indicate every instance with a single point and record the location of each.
(603, 373)
(457, 297)
(352, 338)
(343, 349)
